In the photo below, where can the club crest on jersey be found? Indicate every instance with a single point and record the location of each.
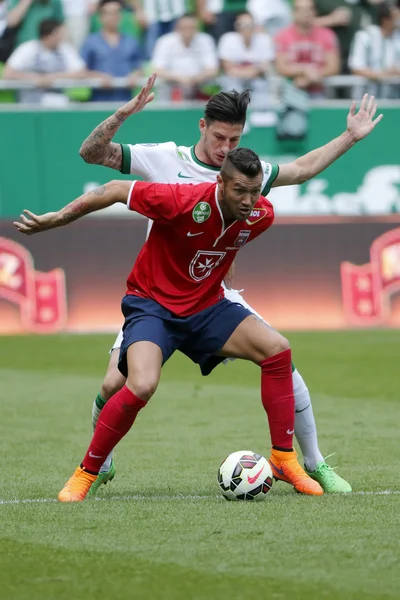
(182, 155)
(242, 238)
(203, 263)
(256, 215)
(201, 212)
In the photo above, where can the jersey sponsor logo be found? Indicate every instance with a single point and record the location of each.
(242, 238)
(268, 170)
(256, 215)
(182, 155)
(148, 145)
(201, 212)
(180, 174)
(190, 234)
(203, 263)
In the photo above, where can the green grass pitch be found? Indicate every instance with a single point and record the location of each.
(161, 531)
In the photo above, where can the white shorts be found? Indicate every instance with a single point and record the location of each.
(232, 295)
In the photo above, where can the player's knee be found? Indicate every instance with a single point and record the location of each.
(112, 383)
(143, 386)
(276, 345)
(280, 344)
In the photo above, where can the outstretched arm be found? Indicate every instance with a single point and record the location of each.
(358, 127)
(101, 197)
(98, 148)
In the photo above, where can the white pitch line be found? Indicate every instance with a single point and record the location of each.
(167, 498)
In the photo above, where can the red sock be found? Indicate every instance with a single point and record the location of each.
(116, 419)
(278, 398)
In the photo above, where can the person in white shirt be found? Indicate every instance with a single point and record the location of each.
(43, 61)
(375, 54)
(184, 59)
(246, 58)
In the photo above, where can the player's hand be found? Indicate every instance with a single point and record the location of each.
(361, 124)
(138, 102)
(31, 223)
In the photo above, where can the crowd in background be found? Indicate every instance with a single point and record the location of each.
(219, 44)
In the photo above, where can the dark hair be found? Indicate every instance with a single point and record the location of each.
(227, 107)
(243, 160)
(48, 26)
(384, 11)
(104, 2)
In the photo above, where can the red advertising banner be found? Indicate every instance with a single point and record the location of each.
(40, 296)
(367, 288)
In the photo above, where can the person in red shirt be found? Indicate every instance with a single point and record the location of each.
(175, 301)
(306, 53)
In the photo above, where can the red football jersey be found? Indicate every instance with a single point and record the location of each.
(189, 250)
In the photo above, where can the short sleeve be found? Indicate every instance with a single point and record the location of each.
(144, 159)
(158, 201)
(209, 52)
(23, 57)
(330, 42)
(226, 47)
(86, 52)
(270, 174)
(282, 42)
(72, 59)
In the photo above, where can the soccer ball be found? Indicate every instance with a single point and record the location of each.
(245, 475)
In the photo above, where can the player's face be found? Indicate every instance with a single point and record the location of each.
(238, 195)
(218, 139)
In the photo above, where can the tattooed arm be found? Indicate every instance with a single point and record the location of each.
(102, 197)
(98, 148)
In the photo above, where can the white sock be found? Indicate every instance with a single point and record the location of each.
(96, 410)
(305, 428)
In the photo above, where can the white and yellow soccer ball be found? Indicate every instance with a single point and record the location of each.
(245, 475)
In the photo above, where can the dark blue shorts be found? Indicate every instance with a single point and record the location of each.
(199, 336)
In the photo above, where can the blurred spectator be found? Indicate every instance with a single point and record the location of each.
(305, 52)
(375, 53)
(77, 20)
(3, 16)
(157, 18)
(344, 17)
(112, 53)
(43, 61)
(219, 16)
(271, 16)
(28, 14)
(185, 59)
(246, 57)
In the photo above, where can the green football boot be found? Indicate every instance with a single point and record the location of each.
(102, 478)
(330, 481)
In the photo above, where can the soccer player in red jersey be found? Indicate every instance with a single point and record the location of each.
(175, 301)
(220, 131)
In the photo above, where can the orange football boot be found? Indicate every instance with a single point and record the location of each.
(286, 467)
(77, 486)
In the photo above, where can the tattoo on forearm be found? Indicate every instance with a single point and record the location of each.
(99, 149)
(79, 207)
(99, 191)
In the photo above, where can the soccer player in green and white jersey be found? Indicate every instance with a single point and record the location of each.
(220, 131)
